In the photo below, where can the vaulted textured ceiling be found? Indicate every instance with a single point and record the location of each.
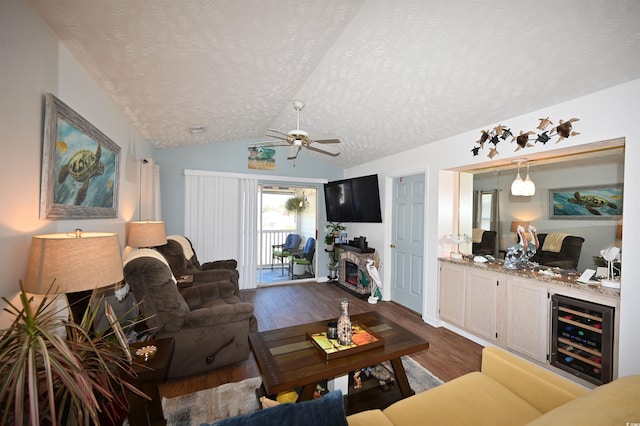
(384, 76)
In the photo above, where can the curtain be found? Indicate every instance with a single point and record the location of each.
(494, 223)
(477, 209)
(150, 205)
(495, 220)
(220, 221)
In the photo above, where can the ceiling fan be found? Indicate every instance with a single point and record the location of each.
(298, 139)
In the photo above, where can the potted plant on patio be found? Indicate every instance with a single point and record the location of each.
(55, 371)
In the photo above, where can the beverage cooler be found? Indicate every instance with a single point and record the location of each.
(582, 338)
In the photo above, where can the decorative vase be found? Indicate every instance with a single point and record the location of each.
(344, 323)
(333, 273)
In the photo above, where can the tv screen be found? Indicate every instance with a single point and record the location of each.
(337, 198)
(353, 200)
(366, 199)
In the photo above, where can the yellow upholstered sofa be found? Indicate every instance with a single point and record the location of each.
(512, 391)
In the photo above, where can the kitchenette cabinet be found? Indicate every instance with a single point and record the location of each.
(512, 308)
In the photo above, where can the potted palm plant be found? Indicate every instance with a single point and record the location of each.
(50, 377)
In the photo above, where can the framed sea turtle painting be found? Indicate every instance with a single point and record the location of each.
(587, 202)
(80, 167)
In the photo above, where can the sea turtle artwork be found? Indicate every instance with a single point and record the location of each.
(82, 166)
(484, 136)
(523, 140)
(565, 129)
(543, 137)
(591, 202)
(544, 123)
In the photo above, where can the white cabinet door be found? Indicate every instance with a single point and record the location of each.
(481, 307)
(527, 318)
(452, 294)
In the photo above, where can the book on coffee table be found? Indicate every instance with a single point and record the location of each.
(362, 339)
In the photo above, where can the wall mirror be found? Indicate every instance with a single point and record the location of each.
(586, 169)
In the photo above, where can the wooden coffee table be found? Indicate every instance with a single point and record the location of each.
(288, 360)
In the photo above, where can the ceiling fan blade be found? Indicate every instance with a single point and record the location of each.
(326, 141)
(278, 132)
(287, 139)
(326, 138)
(293, 152)
(267, 144)
(332, 151)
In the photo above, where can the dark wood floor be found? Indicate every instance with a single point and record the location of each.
(448, 357)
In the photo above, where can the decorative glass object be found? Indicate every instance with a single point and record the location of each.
(344, 323)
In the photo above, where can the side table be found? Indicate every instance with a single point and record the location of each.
(149, 374)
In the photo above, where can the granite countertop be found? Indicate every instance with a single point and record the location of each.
(540, 273)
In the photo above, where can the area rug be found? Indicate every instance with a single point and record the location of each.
(234, 399)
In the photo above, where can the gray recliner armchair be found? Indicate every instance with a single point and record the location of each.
(182, 259)
(209, 323)
(486, 246)
(567, 257)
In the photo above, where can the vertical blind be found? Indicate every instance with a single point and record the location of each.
(220, 219)
(150, 206)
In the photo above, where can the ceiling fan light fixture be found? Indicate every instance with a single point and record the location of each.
(298, 133)
(298, 139)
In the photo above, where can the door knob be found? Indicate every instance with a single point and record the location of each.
(392, 245)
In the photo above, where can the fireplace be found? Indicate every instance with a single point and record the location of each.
(351, 272)
(352, 267)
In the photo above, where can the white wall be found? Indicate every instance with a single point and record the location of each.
(603, 115)
(35, 63)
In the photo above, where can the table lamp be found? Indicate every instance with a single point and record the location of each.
(147, 234)
(514, 228)
(79, 262)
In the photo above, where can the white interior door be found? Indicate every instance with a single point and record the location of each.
(407, 246)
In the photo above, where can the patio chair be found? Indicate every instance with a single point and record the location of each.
(305, 258)
(286, 250)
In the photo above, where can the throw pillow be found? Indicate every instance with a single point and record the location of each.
(325, 411)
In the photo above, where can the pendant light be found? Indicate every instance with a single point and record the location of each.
(528, 187)
(523, 188)
(518, 183)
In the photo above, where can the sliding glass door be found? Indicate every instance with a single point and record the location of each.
(283, 210)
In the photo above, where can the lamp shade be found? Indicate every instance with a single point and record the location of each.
(76, 261)
(150, 233)
(515, 224)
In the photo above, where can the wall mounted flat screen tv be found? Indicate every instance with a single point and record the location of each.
(353, 200)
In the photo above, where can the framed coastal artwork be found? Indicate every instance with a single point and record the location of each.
(586, 202)
(262, 158)
(80, 167)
